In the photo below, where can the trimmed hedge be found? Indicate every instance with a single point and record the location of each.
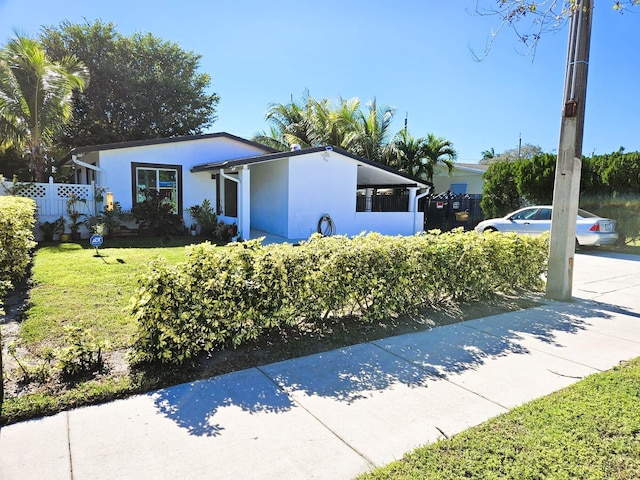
(227, 296)
(17, 218)
(625, 209)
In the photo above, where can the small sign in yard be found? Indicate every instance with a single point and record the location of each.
(95, 241)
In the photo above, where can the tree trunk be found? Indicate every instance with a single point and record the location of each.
(37, 161)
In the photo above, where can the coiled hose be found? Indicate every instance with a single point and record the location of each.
(326, 226)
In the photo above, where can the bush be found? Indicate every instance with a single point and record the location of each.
(205, 216)
(156, 214)
(17, 219)
(624, 209)
(510, 185)
(221, 297)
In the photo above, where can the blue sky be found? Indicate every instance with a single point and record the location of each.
(412, 55)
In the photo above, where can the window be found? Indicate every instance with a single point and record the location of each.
(458, 188)
(545, 214)
(164, 179)
(527, 214)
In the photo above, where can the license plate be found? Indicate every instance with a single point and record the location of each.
(606, 227)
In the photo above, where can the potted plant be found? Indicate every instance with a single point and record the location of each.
(226, 231)
(47, 230)
(58, 228)
(205, 217)
(74, 216)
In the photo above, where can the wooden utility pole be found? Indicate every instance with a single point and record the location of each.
(566, 191)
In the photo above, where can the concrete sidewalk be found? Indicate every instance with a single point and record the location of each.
(340, 413)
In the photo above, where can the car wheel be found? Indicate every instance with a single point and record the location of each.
(490, 229)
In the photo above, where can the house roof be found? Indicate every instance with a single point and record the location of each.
(370, 174)
(471, 167)
(159, 141)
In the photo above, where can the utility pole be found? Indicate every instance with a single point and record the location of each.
(566, 191)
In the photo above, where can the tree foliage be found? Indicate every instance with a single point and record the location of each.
(36, 98)
(530, 19)
(365, 132)
(510, 185)
(500, 193)
(525, 151)
(142, 86)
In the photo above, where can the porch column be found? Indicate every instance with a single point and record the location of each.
(412, 199)
(244, 203)
(221, 207)
(368, 201)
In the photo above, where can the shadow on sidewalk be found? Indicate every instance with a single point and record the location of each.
(353, 373)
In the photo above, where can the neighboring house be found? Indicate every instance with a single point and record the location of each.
(262, 190)
(465, 178)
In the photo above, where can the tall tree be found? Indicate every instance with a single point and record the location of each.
(523, 152)
(487, 155)
(368, 132)
(142, 86)
(36, 98)
(419, 156)
(312, 123)
(438, 150)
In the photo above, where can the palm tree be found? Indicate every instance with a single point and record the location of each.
(366, 134)
(35, 98)
(407, 154)
(314, 123)
(437, 150)
(419, 156)
(288, 125)
(488, 155)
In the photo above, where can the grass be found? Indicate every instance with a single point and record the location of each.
(590, 430)
(73, 286)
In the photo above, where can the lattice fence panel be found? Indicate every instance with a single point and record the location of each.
(68, 191)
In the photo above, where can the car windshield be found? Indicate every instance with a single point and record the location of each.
(585, 214)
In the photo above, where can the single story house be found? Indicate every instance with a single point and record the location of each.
(466, 178)
(284, 194)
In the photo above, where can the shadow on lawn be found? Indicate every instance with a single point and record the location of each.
(353, 373)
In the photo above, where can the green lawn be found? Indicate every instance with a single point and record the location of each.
(73, 286)
(590, 430)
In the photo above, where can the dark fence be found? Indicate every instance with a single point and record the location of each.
(447, 211)
(383, 203)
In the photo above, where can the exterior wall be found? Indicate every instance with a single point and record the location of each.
(269, 197)
(387, 223)
(442, 180)
(195, 186)
(321, 183)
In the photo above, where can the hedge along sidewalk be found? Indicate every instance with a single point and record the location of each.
(216, 298)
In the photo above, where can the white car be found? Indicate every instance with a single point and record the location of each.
(591, 230)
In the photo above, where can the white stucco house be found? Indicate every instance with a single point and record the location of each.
(284, 194)
(466, 178)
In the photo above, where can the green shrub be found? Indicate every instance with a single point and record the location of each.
(157, 214)
(83, 353)
(221, 297)
(624, 209)
(17, 219)
(205, 216)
